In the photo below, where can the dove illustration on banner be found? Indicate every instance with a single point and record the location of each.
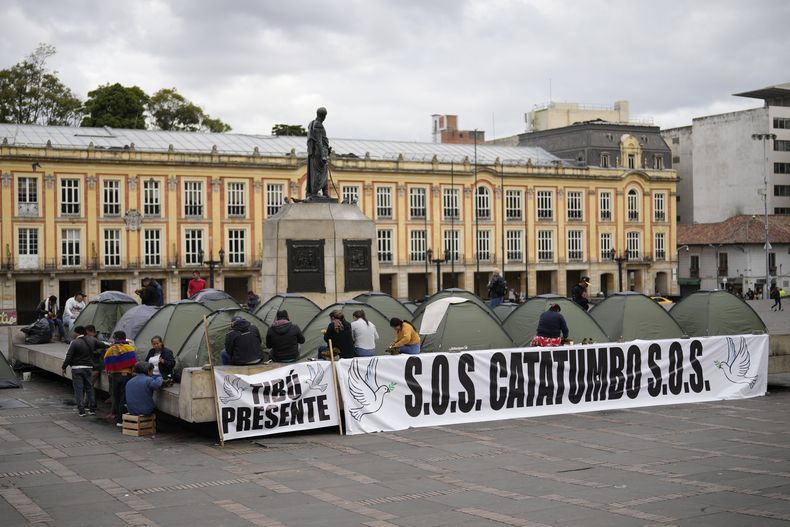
(366, 391)
(231, 388)
(316, 379)
(737, 366)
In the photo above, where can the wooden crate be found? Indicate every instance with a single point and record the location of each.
(139, 425)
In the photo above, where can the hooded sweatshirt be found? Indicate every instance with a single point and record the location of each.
(243, 342)
(283, 338)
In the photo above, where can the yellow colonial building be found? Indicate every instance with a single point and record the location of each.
(96, 209)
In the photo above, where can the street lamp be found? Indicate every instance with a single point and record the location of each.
(212, 264)
(677, 263)
(716, 263)
(765, 138)
(620, 260)
(438, 262)
(428, 256)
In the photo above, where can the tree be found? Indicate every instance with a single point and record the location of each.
(289, 129)
(170, 110)
(116, 106)
(30, 94)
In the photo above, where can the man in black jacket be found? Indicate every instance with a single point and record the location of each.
(242, 344)
(283, 338)
(80, 358)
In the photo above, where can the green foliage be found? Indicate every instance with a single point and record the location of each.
(116, 106)
(31, 94)
(170, 110)
(289, 129)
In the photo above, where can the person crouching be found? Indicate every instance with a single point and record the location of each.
(552, 328)
(140, 389)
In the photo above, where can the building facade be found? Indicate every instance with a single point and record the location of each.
(561, 114)
(445, 130)
(97, 209)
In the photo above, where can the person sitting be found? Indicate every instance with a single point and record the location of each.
(140, 389)
(339, 332)
(407, 340)
(161, 359)
(73, 308)
(283, 338)
(253, 301)
(365, 335)
(552, 328)
(242, 344)
(48, 308)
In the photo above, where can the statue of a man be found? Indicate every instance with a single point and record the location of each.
(317, 156)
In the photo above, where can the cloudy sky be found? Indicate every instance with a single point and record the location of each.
(382, 68)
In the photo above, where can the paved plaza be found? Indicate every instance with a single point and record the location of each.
(720, 464)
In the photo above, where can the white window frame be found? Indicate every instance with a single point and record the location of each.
(193, 246)
(633, 244)
(605, 205)
(152, 198)
(483, 202)
(237, 246)
(70, 247)
(660, 246)
(451, 199)
(384, 208)
(575, 246)
(658, 162)
(483, 245)
(27, 196)
(236, 199)
(275, 197)
(350, 193)
(632, 204)
(193, 199)
(384, 245)
(575, 200)
(70, 196)
(605, 246)
(152, 247)
(28, 241)
(631, 160)
(418, 205)
(514, 245)
(111, 198)
(451, 241)
(111, 253)
(545, 205)
(418, 245)
(514, 204)
(545, 246)
(606, 161)
(659, 206)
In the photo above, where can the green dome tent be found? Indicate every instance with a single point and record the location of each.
(716, 312)
(389, 306)
(104, 311)
(173, 322)
(314, 337)
(522, 324)
(455, 324)
(301, 310)
(503, 310)
(194, 352)
(631, 316)
(133, 320)
(444, 293)
(215, 299)
(411, 306)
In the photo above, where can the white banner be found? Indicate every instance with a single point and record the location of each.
(395, 393)
(296, 397)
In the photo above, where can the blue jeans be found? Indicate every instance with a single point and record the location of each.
(56, 322)
(362, 352)
(410, 349)
(118, 389)
(81, 380)
(495, 301)
(224, 357)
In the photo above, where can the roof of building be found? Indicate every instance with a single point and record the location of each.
(743, 229)
(769, 92)
(65, 137)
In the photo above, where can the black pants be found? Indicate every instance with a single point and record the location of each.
(118, 389)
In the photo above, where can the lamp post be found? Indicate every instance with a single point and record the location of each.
(438, 262)
(212, 264)
(716, 248)
(620, 260)
(765, 138)
(677, 263)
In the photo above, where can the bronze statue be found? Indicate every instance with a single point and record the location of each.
(318, 151)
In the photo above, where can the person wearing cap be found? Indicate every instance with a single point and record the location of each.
(579, 293)
(242, 344)
(73, 308)
(552, 328)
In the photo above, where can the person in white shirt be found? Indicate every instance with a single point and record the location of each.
(365, 335)
(74, 307)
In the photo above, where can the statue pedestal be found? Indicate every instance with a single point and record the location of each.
(323, 250)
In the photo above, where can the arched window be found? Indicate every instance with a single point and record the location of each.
(483, 202)
(633, 205)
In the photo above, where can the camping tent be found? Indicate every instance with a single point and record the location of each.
(411, 306)
(503, 310)
(444, 293)
(314, 337)
(173, 322)
(301, 310)
(8, 378)
(454, 324)
(133, 320)
(194, 352)
(215, 299)
(630, 316)
(716, 312)
(522, 324)
(104, 311)
(389, 306)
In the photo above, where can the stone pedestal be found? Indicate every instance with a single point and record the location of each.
(323, 250)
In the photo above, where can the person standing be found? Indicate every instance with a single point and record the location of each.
(283, 338)
(48, 308)
(552, 328)
(149, 296)
(119, 360)
(80, 358)
(74, 307)
(139, 391)
(98, 348)
(579, 293)
(364, 334)
(242, 344)
(496, 288)
(407, 340)
(339, 332)
(317, 156)
(195, 285)
(776, 296)
(161, 359)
